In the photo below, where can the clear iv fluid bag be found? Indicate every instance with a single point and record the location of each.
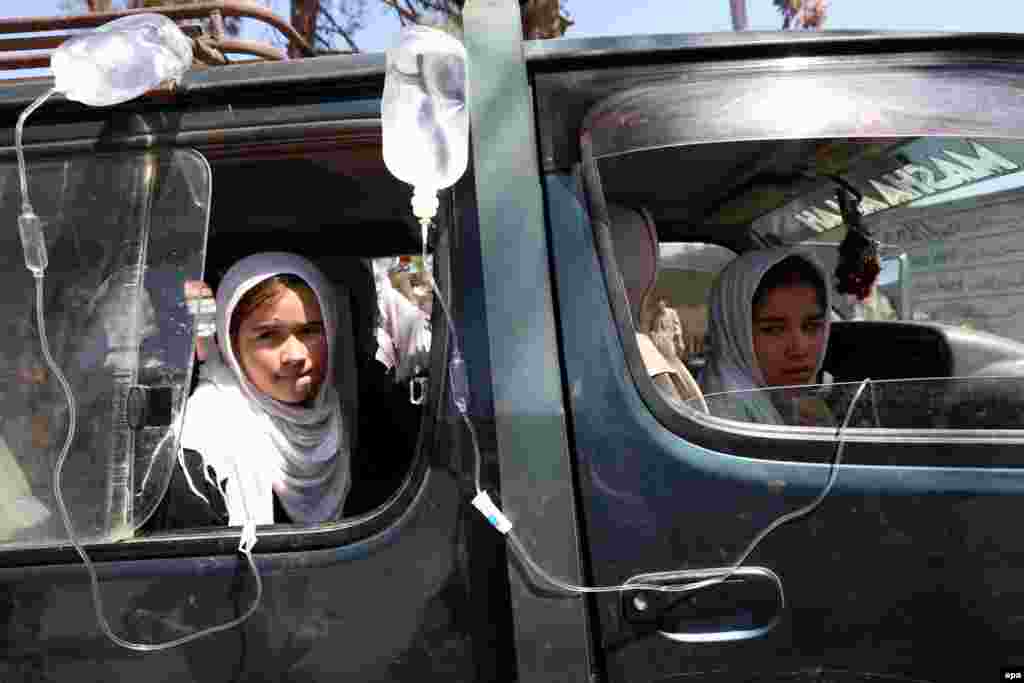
(121, 60)
(426, 121)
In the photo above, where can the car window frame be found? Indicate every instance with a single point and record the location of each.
(803, 444)
(345, 112)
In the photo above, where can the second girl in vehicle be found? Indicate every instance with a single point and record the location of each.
(768, 327)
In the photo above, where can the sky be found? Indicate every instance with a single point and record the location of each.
(620, 17)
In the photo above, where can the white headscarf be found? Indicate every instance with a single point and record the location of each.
(261, 445)
(732, 364)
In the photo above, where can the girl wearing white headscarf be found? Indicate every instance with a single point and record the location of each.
(263, 452)
(732, 361)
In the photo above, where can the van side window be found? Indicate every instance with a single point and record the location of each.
(120, 326)
(379, 351)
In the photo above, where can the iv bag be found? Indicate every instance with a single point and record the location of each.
(426, 121)
(121, 60)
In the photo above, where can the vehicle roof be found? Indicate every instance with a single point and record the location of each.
(732, 44)
(569, 52)
(250, 75)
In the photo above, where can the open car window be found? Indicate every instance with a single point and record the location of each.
(123, 233)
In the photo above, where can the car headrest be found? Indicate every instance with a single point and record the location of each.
(635, 241)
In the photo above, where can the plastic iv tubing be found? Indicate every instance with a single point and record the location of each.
(35, 260)
(459, 391)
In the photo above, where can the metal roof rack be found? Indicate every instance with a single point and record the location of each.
(211, 44)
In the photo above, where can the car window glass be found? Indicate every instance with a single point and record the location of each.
(368, 251)
(123, 235)
(938, 403)
(942, 329)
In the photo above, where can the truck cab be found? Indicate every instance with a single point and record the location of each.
(607, 175)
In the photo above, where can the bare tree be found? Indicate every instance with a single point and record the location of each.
(542, 19)
(232, 26)
(328, 24)
(807, 15)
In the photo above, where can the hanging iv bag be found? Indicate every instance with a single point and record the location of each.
(112, 64)
(425, 118)
(121, 60)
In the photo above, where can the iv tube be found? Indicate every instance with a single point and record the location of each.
(18, 131)
(482, 501)
(34, 244)
(66, 516)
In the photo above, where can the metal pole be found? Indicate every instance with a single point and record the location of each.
(739, 14)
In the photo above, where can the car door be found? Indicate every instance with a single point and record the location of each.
(908, 567)
(284, 157)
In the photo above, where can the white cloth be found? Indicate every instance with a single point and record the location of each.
(261, 445)
(732, 364)
(657, 364)
(19, 509)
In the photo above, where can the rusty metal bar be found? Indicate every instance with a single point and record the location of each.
(41, 60)
(201, 10)
(24, 61)
(33, 42)
(249, 47)
(53, 40)
(31, 51)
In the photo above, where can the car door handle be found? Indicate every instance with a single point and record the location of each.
(747, 605)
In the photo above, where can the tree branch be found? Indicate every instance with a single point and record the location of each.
(339, 29)
(404, 15)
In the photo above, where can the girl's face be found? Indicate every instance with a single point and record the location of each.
(282, 346)
(789, 334)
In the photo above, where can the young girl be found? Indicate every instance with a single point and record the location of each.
(269, 431)
(768, 327)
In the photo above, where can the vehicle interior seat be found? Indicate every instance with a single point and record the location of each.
(953, 368)
(911, 351)
(890, 350)
(635, 241)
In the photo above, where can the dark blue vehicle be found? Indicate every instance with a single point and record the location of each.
(606, 174)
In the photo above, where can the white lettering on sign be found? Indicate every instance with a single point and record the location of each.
(914, 181)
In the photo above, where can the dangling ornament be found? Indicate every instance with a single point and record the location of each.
(859, 263)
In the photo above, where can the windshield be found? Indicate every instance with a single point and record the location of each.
(123, 234)
(890, 173)
(945, 211)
